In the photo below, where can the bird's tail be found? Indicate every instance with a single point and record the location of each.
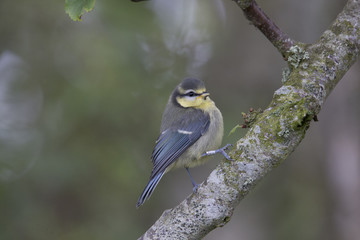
(153, 182)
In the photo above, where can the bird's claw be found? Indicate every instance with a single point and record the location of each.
(195, 188)
(226, 155)
(227, 146)
(220, 150)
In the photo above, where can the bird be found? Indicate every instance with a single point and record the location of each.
(191, 128)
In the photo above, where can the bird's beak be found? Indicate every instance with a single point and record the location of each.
(205, 95)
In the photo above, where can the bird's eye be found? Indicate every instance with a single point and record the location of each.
(191, 94)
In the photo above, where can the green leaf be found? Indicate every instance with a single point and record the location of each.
(234, 129)
(75, 8)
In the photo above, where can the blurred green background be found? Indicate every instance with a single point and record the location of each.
(81, 104)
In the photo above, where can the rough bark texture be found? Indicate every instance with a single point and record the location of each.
(314, 72)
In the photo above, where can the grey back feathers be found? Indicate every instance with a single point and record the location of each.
(176, 137)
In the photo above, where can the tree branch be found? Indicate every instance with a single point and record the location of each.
(260, 20)
(275, 133)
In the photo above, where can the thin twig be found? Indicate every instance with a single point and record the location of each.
(260, 20)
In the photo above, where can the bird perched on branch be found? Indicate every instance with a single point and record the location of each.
(191, 128)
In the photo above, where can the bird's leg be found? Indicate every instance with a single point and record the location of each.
(220, 150)
(195, 185)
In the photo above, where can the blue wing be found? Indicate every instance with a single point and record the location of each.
(173, 142)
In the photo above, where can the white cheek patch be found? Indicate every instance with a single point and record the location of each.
(190, 99)
(184, 132)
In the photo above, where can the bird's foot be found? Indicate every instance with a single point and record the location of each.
(195, 185)
(220, 150)
(195, 188)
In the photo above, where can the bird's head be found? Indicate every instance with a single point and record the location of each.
(191, 93)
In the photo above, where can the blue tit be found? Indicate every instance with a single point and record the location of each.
(191, 128)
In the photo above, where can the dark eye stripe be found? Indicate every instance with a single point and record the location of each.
(191, 94)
